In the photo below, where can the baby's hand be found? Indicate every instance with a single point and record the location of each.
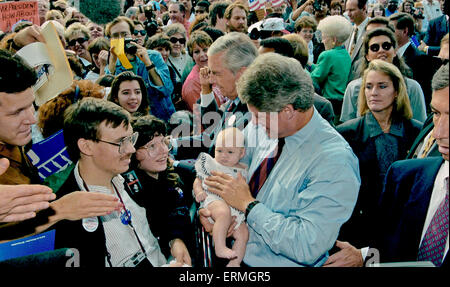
(201, 196)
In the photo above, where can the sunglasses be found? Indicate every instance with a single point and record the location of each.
(79, 40)
(142, 32)
(174, 40)
(385, 45)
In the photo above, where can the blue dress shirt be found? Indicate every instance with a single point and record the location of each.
(309, 194)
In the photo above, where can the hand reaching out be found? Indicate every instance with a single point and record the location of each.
(21, 202)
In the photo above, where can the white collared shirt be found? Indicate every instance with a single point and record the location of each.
(401, 50)
(436, 198)
(121, 241)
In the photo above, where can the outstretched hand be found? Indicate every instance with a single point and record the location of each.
(21, 202)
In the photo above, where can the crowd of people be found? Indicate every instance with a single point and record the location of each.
(306, 133)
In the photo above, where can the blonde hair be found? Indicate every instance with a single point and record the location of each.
(230, 137)
(402, 105)
(75, 28)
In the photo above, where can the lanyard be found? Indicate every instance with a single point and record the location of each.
(127, 215)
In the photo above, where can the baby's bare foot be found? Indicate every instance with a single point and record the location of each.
(225, 253)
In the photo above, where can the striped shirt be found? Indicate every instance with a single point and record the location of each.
(121, 241)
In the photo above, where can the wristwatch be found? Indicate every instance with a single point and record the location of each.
(150, 67)
(250, 207)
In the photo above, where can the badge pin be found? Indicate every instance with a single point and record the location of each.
(90, 224)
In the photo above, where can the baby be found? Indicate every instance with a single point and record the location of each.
(229, 151)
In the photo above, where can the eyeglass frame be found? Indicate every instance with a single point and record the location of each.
(182, 41)
(167, 142)
(122, 141)
(74, 41)
(380, 46)
(141, 32)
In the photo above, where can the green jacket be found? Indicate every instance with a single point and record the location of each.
(331, 72)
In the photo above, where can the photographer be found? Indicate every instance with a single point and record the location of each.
(319, 9)
(392, 7)
(421, 22)
(146, 63)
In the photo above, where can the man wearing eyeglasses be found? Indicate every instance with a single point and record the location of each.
(100, 140)
(147, 64)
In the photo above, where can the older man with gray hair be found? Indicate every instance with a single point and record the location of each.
(304, 176)
(228, 57)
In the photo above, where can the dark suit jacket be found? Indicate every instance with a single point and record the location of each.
(403, 208)
(427, 127)
(325, 108)
(437, 29)
(419, 63)
(357, 229)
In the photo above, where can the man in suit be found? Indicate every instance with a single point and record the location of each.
(416, 194)
(415, 59)
(357, 12)
(413, 192)
(228, 57)
(437, 29)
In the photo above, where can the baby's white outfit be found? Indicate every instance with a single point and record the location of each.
(203, 166)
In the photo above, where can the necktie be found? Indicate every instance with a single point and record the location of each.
(262, 172)
(228, 114)
(231, 107)
(355, 39)
(428, 146)
(433, 244)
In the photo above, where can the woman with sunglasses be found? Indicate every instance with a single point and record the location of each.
(178, 58)
(129, 92)
(381, 135)
(77, 39)
(380, 43)
(139, 34)
(154, 185)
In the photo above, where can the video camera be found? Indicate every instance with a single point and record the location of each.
(417, 13)
(150, 24)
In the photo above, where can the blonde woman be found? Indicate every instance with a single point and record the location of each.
(381, 135)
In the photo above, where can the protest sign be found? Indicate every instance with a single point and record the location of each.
(12, 12)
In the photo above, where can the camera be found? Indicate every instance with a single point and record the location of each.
(254, 34)
(416, 13)
(150, 24)
(129, 47)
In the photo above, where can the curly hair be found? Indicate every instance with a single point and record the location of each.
(51, 114)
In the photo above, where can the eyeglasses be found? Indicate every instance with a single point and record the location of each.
(174, 40)
(120, 35)
(142, 32)
(152, 148)
(79, 40)
(123, 143)
(385, 45)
